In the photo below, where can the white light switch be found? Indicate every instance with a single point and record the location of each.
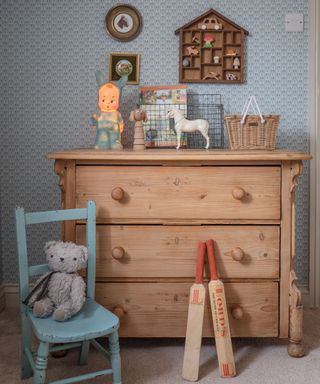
(294, 22)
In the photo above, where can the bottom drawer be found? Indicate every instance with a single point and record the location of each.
(160, 309)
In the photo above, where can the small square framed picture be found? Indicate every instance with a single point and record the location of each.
(124, 63)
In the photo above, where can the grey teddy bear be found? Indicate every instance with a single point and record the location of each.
(62, 291)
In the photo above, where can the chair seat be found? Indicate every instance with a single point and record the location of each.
(91, 322)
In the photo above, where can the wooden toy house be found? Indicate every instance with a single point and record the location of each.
(211, 50)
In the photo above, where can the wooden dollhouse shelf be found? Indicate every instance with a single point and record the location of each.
(209, 55)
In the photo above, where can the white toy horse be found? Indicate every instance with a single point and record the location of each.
(181, 124)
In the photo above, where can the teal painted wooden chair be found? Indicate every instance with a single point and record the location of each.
(82, 329)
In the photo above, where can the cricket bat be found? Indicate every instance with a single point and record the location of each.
(220, 318)
(191, 359)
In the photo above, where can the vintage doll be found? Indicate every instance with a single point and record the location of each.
(109, 122)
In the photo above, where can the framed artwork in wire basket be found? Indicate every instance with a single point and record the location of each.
(157, 101)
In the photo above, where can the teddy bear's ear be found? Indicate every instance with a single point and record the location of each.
(84, 256)
(49, 244)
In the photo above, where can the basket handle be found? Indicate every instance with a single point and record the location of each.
(251, 100)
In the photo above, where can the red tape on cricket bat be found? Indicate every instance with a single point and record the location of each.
(200, 262)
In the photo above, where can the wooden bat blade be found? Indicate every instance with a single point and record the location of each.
(221, 329)
(191, 359)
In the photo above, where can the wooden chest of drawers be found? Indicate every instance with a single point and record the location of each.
(152, 209)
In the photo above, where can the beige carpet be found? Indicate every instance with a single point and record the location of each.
(159, 361)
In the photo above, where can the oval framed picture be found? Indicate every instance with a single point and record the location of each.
(123, 22)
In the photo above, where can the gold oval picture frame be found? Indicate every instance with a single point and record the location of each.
(123, 22)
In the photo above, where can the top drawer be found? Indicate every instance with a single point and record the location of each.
(161, 193)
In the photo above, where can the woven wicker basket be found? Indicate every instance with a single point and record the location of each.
(252, 134)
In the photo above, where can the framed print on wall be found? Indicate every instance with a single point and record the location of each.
(124, 63)
(123, 22)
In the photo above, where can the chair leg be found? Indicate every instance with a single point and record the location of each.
(84, 351)
(26, 369)
(39, 376)
(115, 357)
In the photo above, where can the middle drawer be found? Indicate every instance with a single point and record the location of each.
(129, 251)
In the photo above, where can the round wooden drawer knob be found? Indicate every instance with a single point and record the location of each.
(117, 193)
(237, 254)
(117, 253)
(238, 193)
(237, 313)
(119, 311)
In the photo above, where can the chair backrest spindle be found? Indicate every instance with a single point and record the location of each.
(22, 253)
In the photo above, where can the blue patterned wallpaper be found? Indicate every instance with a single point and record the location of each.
(50, 51)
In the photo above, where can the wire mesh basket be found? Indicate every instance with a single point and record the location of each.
(159, 129)
(210, 108)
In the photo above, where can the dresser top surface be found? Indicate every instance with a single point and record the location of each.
(177, 155)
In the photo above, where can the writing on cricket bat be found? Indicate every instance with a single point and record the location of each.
(197, 297)
(221, 328)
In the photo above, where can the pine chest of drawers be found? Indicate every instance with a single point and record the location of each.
(152, 209)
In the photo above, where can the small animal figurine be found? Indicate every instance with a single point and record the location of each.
(109, 122)
(212, 75)
(216, 59)
(60, 292)
(181, 124)
(137, 116)
(192, 50)
(231, 76)
(231, 52)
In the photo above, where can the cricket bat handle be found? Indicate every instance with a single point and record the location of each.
(212, 262)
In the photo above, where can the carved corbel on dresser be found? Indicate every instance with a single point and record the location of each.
(295, 347)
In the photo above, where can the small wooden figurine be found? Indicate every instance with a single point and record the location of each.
(137, 116)
(216, 59)
(186, 62)
(212, 75)
(192, 50)
(231, 76)
(181, 124)
(195, 39)
(231, 52)
(208, 40)
(210, 23)
(236, 63)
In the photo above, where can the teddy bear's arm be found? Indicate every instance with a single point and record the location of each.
(77, 294)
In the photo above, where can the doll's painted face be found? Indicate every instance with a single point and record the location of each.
(109, 98)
